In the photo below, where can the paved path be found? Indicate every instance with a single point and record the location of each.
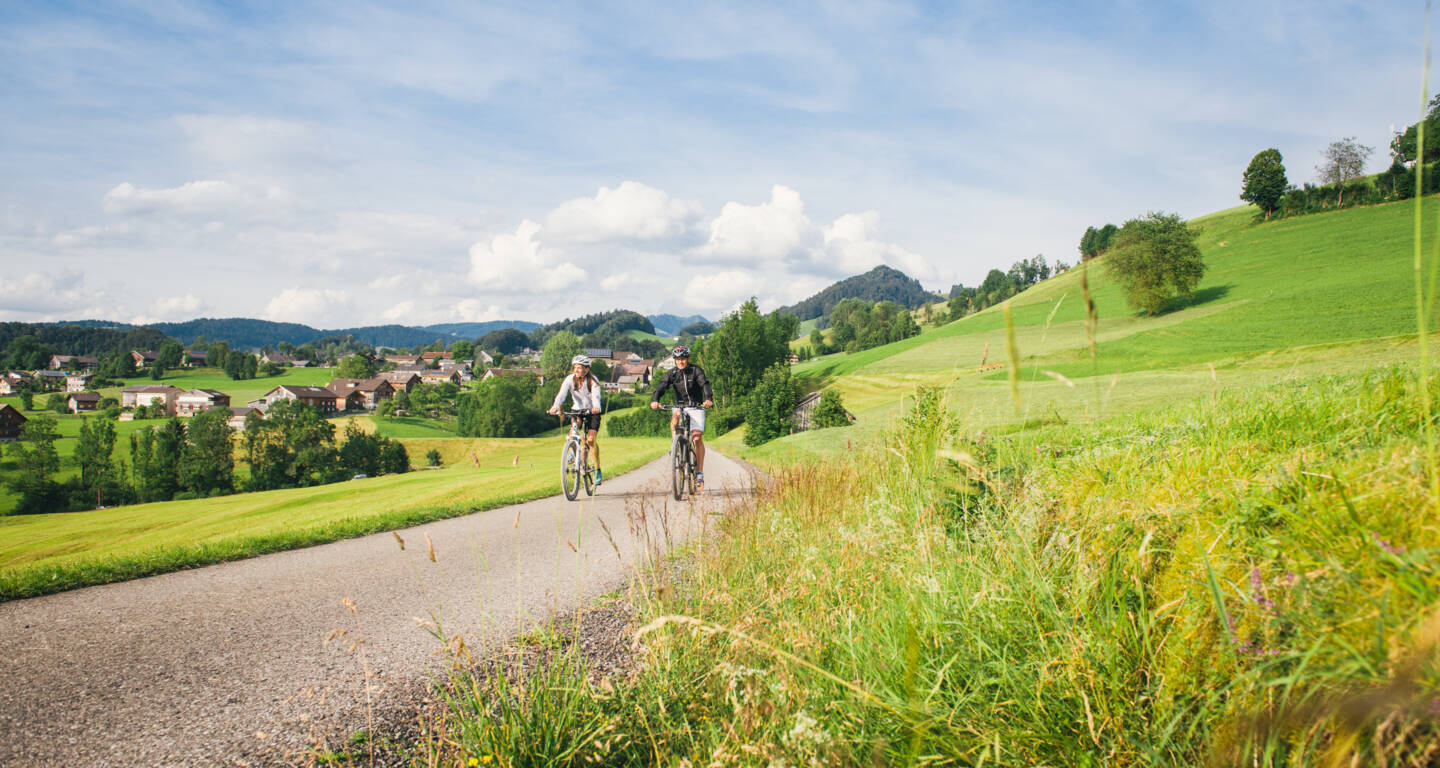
(230, 665)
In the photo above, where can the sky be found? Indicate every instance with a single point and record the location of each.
(355, 163)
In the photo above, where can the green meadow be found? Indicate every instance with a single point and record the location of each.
(1214, 542)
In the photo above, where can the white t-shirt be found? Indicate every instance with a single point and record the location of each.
(584, 398)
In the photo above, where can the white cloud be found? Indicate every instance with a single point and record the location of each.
(312, 306)
(475, 311)
(52, 296)
(244, 145)
(402, 313)
(722, 290)
(520, 263)
(765, 233)
(631, 211)
(172, 308)
(205, 198)
(851, 247)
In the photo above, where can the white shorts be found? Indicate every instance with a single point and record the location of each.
(697, 419)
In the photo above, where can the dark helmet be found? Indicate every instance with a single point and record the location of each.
(681, 351)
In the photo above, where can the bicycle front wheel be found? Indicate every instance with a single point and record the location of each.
(586, 473)
(677, 476)
(570, 471)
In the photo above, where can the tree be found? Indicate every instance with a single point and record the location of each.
(742, 347)
(500, 407)
(829, 412)
(27, 399)
(171, 355)
(462, 350)
(1154, 259)
(37, 460)
(361, 452)
(207, 465)
(395, 458)
(157, 371)
(356, 367)
(28, 353)
(559, 350)
(432, 457)
(93, 454)
(1264, 181)
(772, 406)
(505, 340)
(1342, 161)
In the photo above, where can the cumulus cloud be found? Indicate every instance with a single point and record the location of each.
(401, 313)
(207, 198)
(631, 211)
(48, 295)
(755, 234)
(476, 311)
(312, 306)
(170, 308)
(519, 262)
(722, 290)
(852, 246)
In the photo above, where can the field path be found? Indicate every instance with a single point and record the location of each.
(230, 664)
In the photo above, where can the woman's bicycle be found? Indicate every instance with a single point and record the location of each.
(682, 456)
(575, 459)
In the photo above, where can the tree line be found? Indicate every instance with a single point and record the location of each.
(177, 459)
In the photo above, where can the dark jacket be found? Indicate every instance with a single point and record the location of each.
(691, 386)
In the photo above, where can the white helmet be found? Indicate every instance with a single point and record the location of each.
(580, 360)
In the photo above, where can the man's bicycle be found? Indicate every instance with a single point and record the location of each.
(575, 459)
(682, 456)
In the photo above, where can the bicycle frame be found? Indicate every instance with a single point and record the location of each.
(683, 470)
(575, 459)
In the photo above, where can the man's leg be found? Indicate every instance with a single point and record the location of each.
(698, 438)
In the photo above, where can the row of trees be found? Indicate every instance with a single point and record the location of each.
(1342, 166)
(192, 459)
(997, 287)
(857, 325)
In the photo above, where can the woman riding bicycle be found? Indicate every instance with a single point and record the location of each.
(584, 391)
(692, 392)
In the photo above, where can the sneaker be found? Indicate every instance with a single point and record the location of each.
(599, 478)
(699, 481)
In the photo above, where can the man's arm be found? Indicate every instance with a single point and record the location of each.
(664, 384)
(704, 384)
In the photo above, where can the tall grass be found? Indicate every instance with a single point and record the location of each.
(1246, 579)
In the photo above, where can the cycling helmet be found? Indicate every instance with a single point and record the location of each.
(681, 351)
(580, 360)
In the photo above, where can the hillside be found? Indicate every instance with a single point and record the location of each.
(879, 284)
(670, 325)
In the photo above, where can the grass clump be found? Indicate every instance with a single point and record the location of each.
(1249, 578)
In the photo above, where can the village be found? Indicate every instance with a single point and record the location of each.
(74, 376)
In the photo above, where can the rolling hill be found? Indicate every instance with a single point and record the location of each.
(879, 284)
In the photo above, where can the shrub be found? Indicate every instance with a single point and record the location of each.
(772, 406)
(641, 422)
(829, 412)
(433, 457)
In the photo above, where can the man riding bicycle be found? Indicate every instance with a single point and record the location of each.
(584, 391)
(691, 389)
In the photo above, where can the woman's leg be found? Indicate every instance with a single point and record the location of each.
(594, 443)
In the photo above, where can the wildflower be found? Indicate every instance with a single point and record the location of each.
(473, 762)
(1393, 549)
(1257, 590)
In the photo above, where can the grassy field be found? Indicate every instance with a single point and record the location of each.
(1214, 544)
(643, 336)
(48, 553)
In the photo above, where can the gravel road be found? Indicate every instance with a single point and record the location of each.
(242, 664)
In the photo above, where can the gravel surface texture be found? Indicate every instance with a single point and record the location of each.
(257, 662)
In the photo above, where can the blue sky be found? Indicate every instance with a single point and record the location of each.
(354, 163)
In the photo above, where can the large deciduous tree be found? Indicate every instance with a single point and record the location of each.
(207, 466)
(1155, 259)
(742, 347)
(559, 350)
(772, 406)
(1264, 181)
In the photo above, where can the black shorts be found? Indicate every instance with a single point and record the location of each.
(591, 421)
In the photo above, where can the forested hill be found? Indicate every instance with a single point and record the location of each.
(601, 325)
(92, 338)
(472, 331)
(670, 325)
(879, 284)
(98, 337)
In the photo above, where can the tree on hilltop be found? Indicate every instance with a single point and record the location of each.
(1264, 181)
(1342, 161)
(1155, 259)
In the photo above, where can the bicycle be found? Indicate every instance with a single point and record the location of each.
(575, 459)
(682, 456)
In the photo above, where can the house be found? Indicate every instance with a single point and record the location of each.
(600, 353)
(197, 400)
(238, 415)
(73, 363)
(143, 357)
(193, 358)
(350, 400)
(372, 390)
(638, 371)
(300, 363)
(416, 368)
(77, 382)
(515, 372)
(11, 420)
(485, 358)
(277, 358)
(631, 357)
(151, 394)
(403, 359)
(429, 356)
(440, 376)
(82, 402)
(50, 380)
(319, 398)
(401, 380)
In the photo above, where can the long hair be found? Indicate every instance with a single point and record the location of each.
(576, 381)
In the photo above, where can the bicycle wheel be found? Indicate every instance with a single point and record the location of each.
(690, 471)
(569, 471)
(585, 471)
(677, 476)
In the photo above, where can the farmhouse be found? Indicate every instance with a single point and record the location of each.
(73, 363)
(371, 391)
(319, 398)
(77, 382)
(277, 358)
(439, 377)
(428, 356)
(485, 358)
(151, 394)
(403, 359)
(197, 400)
(82, 402)
(193, 358)
(11, 420)
(49, 380)
(238, 415)
(143, 357)
(401, 380)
